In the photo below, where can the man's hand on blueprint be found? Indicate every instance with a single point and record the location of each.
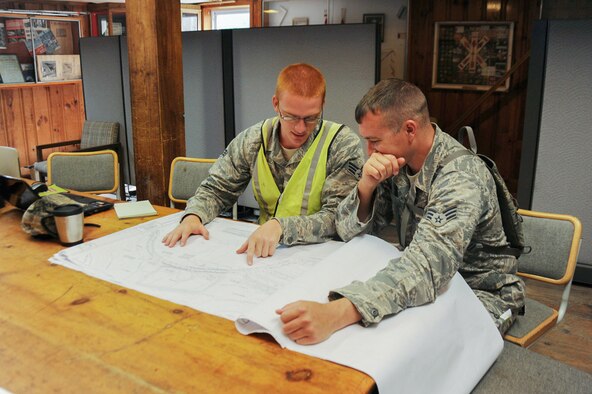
(190, 225)
(308, 322)
(263, 241)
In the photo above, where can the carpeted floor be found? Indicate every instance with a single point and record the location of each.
(519, 370)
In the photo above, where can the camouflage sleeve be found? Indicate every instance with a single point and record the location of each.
(228, 177)
(347, 223)
(434, 254)
(345, 160)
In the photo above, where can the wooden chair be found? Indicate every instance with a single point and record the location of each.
(91, 172)
(186, 175)
(554, 240)
(96, 135)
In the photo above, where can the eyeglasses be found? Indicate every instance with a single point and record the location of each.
(313, 119)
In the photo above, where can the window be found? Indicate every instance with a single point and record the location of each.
(235, 18)
(189, 21)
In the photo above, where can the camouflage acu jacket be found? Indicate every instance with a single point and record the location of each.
(231, 174)
(460, 211)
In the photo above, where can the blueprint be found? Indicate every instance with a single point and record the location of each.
(204, 274)
(424, 349)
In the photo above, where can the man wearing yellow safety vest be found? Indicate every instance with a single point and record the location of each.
(301, 166)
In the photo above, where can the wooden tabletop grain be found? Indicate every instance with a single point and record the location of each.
(63, 331)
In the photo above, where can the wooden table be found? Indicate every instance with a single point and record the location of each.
(63, 331)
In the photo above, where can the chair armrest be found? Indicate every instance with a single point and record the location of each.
(39, 148)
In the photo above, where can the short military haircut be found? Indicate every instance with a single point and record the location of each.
(397, 100)
(302, 80)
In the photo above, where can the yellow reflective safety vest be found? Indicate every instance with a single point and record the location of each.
(302, 195)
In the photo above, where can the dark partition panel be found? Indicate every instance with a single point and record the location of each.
(203, 91)
(103, 85)
(229, 79)
(346, 54)
(128, 108)
(556, 170)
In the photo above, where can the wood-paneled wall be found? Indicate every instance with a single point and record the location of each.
(56, 114)
(34, 114)
(498, 122)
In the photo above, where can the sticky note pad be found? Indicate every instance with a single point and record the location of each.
(134, 209)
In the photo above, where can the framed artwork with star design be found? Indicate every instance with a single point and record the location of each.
(472, 55)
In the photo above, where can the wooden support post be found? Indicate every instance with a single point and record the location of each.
(156, 80)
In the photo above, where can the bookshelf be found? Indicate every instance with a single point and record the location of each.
(41, 89)
(46, 47)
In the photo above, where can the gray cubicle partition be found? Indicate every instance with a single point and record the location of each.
(127, 108)
(556, 169)
(229, 78)
(346, 54)
(203, 91)
(105, 90)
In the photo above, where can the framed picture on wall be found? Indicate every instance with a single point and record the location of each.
(58, 67)
(10, 69)
(472, 55)
(377, 19)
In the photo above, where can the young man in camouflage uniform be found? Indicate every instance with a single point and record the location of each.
(460, 213)
(271, 152)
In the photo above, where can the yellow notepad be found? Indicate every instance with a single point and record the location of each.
(134, 209)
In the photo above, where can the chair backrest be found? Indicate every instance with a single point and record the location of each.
(9, 162)
(186, 175)
(96, 133)
(93, 172)
(554, 240)
(554, 243)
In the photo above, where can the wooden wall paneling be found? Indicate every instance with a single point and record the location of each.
(56, 108)
(73, 109)
(15, 122)
(434, 8)
(498, 122)
(34, 114)
(42, 117)
(29, 126)
(486, 123)
(3, 129)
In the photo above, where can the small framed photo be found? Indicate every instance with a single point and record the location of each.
(377, 19)
(58, 67)
(10, 69)
(300, 21)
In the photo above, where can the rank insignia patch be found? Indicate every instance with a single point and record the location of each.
(354, 170)
(439, 219)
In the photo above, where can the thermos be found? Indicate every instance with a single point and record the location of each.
(69, 220)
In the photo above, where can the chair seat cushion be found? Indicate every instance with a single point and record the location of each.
(535, 314)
